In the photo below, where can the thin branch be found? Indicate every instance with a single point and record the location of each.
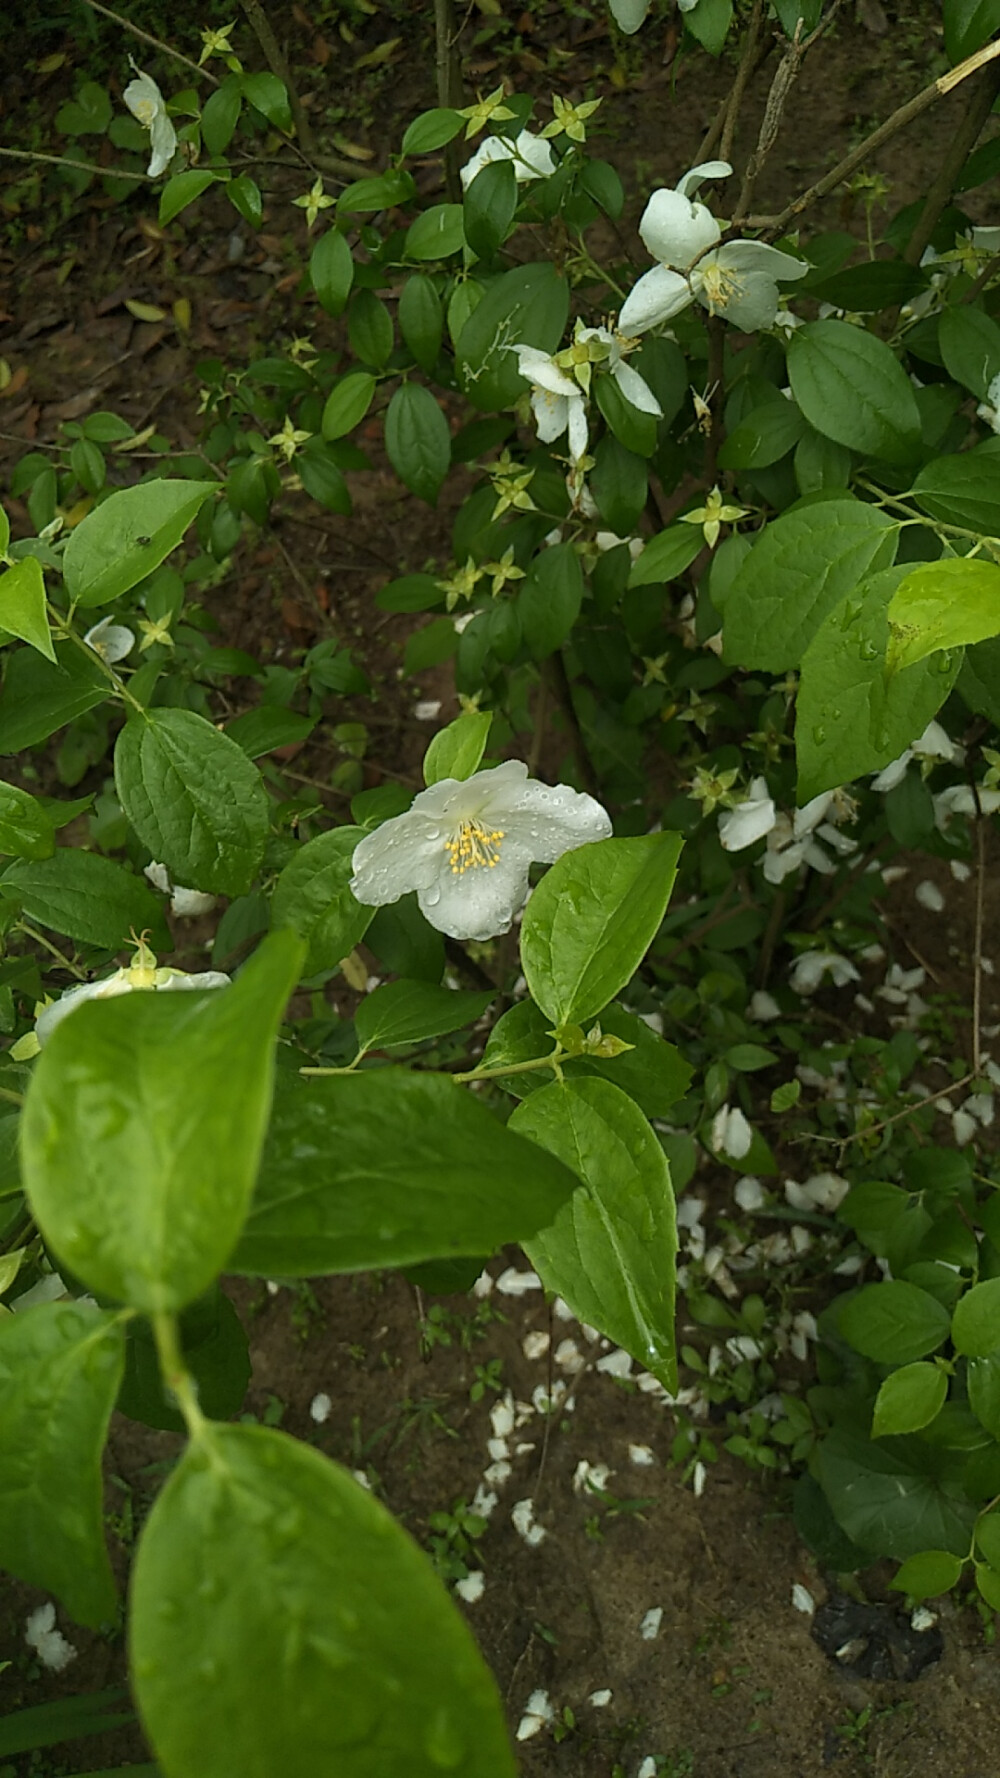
(60, 160)
(740, 83)
(155, 42)
(977, 953)
(956, 154)
(955, 1086)
(449, 86)
(986, 276)
(903, 115)
(261, 26)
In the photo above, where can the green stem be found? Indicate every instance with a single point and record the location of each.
(66, 632)
(12, 1098)
(53, 950)
(175, 1374)
(551, 1061)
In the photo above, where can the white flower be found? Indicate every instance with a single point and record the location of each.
(763, 1006)
(959, 800)
(809, 969)
(532, 158)
(791, 843)
(934, 744)
(146, 102)
(465, 847)
(749, 821)
(49, 1644)
(556, 400)
(110, 640)
(737, 280)
(989, 410)
(731, 1134)
(634, 387)
(141, 973)
(538, 1715)
(187, 904)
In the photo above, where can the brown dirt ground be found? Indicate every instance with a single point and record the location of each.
(733, 1686)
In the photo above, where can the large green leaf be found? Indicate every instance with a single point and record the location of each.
(282, 1621)
(549, 601)
(894, 1322)
(331, 269)
(143, 1126)
(852, 715)
(851, 388)
(388, 1168)
(22, 605)
(417, 440)
(27, 830)
(313, 897)
(963, 489)
(798, 569)
(60, 1366)
(87, 897)
(612, 1248)
(976, 1326)
(968, 24)
(404, 1012)
(886, 1503)
(591, 921)
(979, 680)
(39, 698)
(194, 798)
(970, 347)
(526, 306)
(129, 535)
(943, 605)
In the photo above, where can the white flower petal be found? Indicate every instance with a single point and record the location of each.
(675, 230)
(577, 416)
(636, 390)
(811, 814)
(551, 414)
(705, 169)
(146, 102)
(541, 369)
(110, 640)
(893, 773)
(657, 297)
(749, 821)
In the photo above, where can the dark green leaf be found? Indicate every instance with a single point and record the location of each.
(418, 441)
(488, 208)
(89, 898)
(127, 536)
(529, 305)
(399, 1013)
(894, 1322)
(331, 268)
(851, 387)
(549, 599)
(312, 897)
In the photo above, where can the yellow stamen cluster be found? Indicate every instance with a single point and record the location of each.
(721, 285)
(474, 847)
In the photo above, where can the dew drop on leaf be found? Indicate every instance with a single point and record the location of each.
(819, 735)
(443, 1744)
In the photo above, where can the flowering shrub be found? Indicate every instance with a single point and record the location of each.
(738, 523)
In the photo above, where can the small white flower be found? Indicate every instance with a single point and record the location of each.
(142, 973)
(146, 102)
(110, 640)
(803, 1600)
(187, 904)
(557, 402)
(537, 1716)
(934, 744)
(634, 387)
(989, 410)
(959, 800)
(749, 821)
(763, 1006)
(49, 1644)
(532, 158)
(809, 970)
(465, 846)
(749, 1193)
(731, 1134)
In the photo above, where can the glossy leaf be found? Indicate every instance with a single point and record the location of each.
(983, 1382)
(968, 25)
(927, 1575)
(312, 897)
(610, 1252)
(60, 1366)
(404, 1012)
(389, 1168)
(22, 605)
(667, 555)
(651, 1072)
(193, 798)
(351, 1659)
(851, 387)
(963, 489)
(592, 919)
(550, 598)
(182, 190)
(437, 233)
(529, 305)
(489, 206)
(142, 1130)
(421, 319)
(970, 347)
(331, 268)
(347, 403)
(127, 536)
(431, 130)
(975, 1328)
(894, 1322)
(26, 828)
(89, 898)
(943, 605)
(909, 1399)
(455, 751)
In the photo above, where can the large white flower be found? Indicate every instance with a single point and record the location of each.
(146, 102)
(465, 847)
(737, 280)
(556, 400)
(532, 158)
(141, 973)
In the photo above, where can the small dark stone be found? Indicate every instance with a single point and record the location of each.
(874, 1641)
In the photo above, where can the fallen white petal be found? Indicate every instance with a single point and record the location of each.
(538, 1715)
(802, 1599)
(649, 1628)
(471, 1588)
(535, 1345)
(319, 1408)
(929, 896)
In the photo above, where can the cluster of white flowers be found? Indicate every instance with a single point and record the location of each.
(792, 839)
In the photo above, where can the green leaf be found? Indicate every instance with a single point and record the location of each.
(927, 1575)
(381, 191)
(455, 751)
(432, 129)
(909, 1399)
(182, 190)
(975, 1328)
(87, 114)
(988, 1583)
(312, 897)
(765, 436)
(66, 1719)
(430, 645)
(27, 830)
(667, 555)
(417, 440)
(321, 477)
(821, 464)
(611, 1251)
(800, 567)
(549, 600)
(988, 1538)
(245, 196)
(220, 114)
(269, 726)
(853, 716)
(142, 1130)
(874, 284)
(194, 799)
(347, 403)
(39, 698)
(619, 482)
(214, 1346)
(968, 25)
(331, 268)
(269, 96)
(591, 921)
(404, 1012)
(127, 536)
(943, 605)
(970, 347)
(885, 1503)
(651, 1072)
(489, 206)
(983, 1383)
(978, 682)
(389, 1168)
(709, 22)
(526, 306)
(421, 319)
(351, 1660)
(632, 428)
(22, 605)
(437, 234)
(60, 1366)
(89, 898)
(894, 1322)
(850, 387)
(963, 489)
(369, 328)
(411, 592)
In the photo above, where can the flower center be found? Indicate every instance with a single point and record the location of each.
(473, 846)
(720, 285)
(144, 111)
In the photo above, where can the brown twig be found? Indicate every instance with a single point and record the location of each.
(154, 42)
(784, 79)
(903, 115)
(60, 160)
(261, 27)
(953, 160)
(449, 87)
(740, 83)
(988, 273)
(977, 952)
(716, 330)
